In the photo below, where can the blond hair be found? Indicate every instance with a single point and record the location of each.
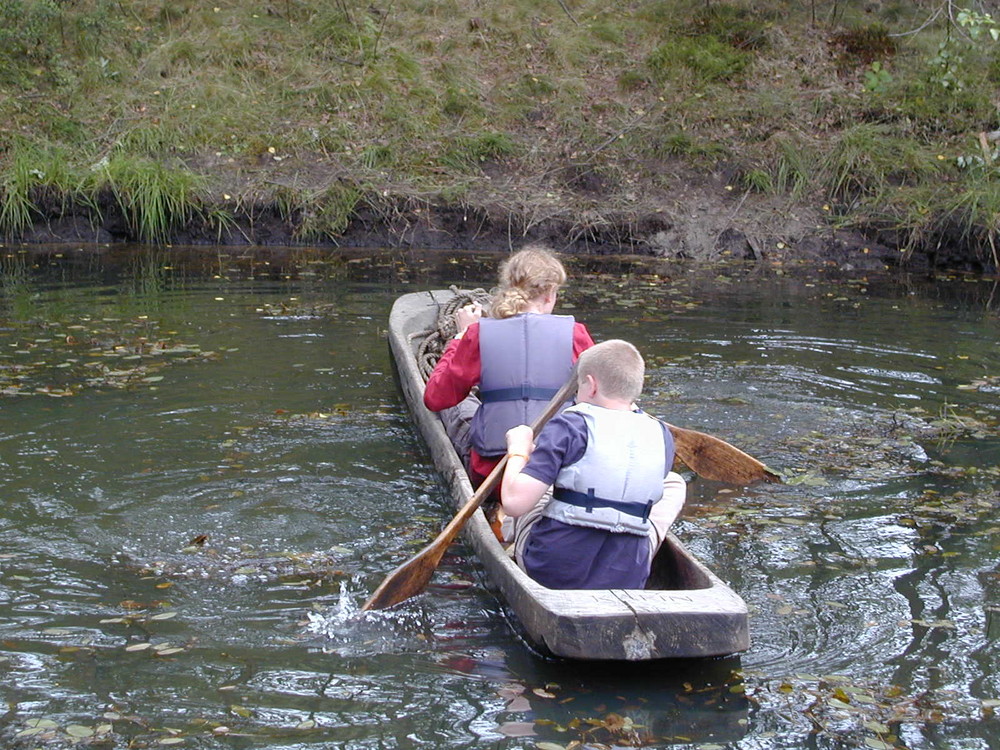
(525, 276)
(617, 367)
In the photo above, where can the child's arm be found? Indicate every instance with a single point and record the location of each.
(456, 373)
(519, 492)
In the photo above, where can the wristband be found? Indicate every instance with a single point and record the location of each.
(519, 455)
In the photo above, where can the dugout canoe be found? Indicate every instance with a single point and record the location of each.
(686, 611)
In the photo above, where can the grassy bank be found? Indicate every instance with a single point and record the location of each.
(159, 118)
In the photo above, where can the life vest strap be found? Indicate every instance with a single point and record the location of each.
(589, 501)
(523, 392)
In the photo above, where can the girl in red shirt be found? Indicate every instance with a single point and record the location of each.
(529, 283)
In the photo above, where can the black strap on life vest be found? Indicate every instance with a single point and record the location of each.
(589, 501)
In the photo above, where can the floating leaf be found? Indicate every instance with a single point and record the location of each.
(876, 726)
(79, 731)
(518, 704)
(164, 616)
(41, 724)
(549, 746)
(307, 724)
(877, 744)
(138, 646)
(517, 729)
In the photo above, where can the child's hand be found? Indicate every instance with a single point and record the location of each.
(520, 440)
(466, 316)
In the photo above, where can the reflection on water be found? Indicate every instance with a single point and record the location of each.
(206, 467)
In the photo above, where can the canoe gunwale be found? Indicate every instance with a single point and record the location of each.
(629, 625)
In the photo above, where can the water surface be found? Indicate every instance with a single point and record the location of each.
(206, 467)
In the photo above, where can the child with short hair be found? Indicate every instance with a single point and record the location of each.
(614, 494)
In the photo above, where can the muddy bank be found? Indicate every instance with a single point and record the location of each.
(703, 226)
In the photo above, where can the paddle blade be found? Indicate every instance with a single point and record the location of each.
(412, 577)
(715, 459)
(408, 580)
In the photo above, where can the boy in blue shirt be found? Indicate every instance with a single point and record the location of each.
(613, 492)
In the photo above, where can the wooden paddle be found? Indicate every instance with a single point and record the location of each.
(713, 458)
(412, 577)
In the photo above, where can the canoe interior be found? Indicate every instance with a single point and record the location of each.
(673, 571)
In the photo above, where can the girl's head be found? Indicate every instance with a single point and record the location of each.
(526, 277)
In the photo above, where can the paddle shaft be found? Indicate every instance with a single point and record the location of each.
(412, 577)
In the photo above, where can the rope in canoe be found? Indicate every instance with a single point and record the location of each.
(435, 340)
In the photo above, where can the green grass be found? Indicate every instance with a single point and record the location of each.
(706, 58)
(154, 198)
(34, 172)
(413, 98)
(794, 167)
(867, 158)
(327, 214)
(975, 210)
(468, 153)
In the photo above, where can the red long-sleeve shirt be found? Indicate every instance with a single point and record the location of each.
(459, 371)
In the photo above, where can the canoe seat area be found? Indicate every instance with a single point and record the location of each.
(673, 570)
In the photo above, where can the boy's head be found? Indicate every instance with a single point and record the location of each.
(617, 367)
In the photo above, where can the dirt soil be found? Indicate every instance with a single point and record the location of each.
(702, 216)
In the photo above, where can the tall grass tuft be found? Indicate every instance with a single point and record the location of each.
(867, 158)
(16, 185)
(975, 211)
(154, 198)
(794, 169)
(467, 153)
(327, 214)
(912, 215)
(758, 180)
(32, 172)
(709, 59)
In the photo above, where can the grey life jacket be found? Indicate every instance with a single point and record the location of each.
(619, 478)
(525, 360)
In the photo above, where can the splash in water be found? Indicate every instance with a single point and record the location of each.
(347, 630)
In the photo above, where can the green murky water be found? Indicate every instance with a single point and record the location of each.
(206, 468)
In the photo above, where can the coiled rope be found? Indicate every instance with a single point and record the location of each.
(436, 339)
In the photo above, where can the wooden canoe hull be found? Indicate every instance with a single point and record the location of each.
(690, 613)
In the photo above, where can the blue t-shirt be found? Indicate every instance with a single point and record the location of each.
(561, 556)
